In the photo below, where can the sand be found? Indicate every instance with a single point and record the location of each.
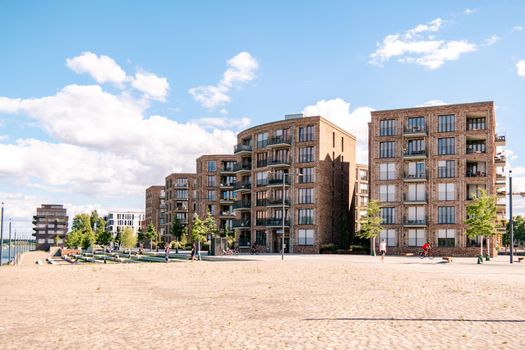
(305, 302)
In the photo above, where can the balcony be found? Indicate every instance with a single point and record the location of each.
(501, 178)
(242, 186)
(242, 167)
(181, 185)
(227, 185)
(260, 202)
(415, 131)
(415, 177)
(419, 154)
(261, 182)
(473, 173)
(278, 162)
(241, 224)
(228, 169)
(415, 222)
(226, 214)
(242, 205)
(227, 200)
(307, 220)
(280, 141)
(475, 150)
(181, 208)
(277, 222)
(500, 159)
(275, 182)
(277, 202)
(241, 148)
(407, 199)
(500, 140)
(262, 163)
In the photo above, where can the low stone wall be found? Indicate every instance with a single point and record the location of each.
(453, 251)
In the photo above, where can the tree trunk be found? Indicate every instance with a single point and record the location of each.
(488, 247)
(373, 250)
(176, 245)
(481, 245)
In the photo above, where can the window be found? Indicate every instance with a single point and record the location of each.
(416, 147)
(416, 124)
(476, 146)
(261, 198)
(306, 133)
(306, 196)
(446, 215)
(387, 149)
(446, 168)
(446, 123)
(211, 181)
(387, 193)
(416, 170)
(181, 194)
(212, 166)
(387, 127)
(227, 195)
(306, 154)
(416, 237)
(244, 239)
(211, 195)
(416, 192)
(260, 238)
(447, 192)
(475, 123)
(388, 215)
(262, 140)
(262, 159)
(389, 235)
(306, 175)
(446, 237)
(305, 216)
(262, 178)
(181, 182)
(363, 188)
(387, 171)
(306, 237)
(474, 191)
(446, 146)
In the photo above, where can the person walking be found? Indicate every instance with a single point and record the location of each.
(382, 250)
(193, 251)
(167, 251)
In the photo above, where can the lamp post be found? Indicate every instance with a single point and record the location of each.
(2, 233)
(9, 245)
(283, 195)
(511, 219)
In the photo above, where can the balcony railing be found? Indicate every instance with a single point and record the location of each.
(410, 130)
(499, 138)
(277, 222)
(307, 220)
(414, 199)
(500, 158)
(242, 205)
(472, 173)
(277, 201)
(418, 175)
(415, 222)
(260, 222)
(262, 163)
(261, 182)
(280, 140)
(228, 168)
(278, 161)
(227, 213)
(279, 181)
(241, 223)
(242, 186)
(181, 185)
(242, 148)
(413, 153)
(472, 150)
(242, 166)
(228, 184)
(260, 202)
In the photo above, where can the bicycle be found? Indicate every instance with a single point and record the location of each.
(428, 254)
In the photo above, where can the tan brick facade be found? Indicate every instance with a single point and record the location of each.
(426, 164)
(360, 194)
(180, 201)
(155, 206)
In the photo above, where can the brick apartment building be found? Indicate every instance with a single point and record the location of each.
(50, 226)
(155, 207)
(181, 201)
(360, 194)
(316, 160)
(426, 166)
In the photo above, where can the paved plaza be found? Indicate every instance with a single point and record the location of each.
(261, 302)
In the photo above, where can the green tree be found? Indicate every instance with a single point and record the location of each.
(141, 235)
(371, 225)
(177, 230)
(105, 238)
(210, 225)
(82, 225)
(519, 230)
(118, 236)
(151, 234)
(129, 239)
(74, 239)
(481, 218)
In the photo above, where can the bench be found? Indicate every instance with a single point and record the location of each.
(520, 258)
(447, 259)
(409, 254)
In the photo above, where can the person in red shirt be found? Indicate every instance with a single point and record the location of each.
(426, 247)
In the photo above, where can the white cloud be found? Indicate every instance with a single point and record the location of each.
(491, 40)
(223, 123)
(520, 68)
(151, 85)
(356, 122)
(102, 68)
(431, 103)
(417, 46)
(241, 68)
(469, 11)
(517, 28)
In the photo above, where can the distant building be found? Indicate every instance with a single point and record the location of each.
(51, 226)
(155, 207)
(360, 194)
(123, 219)
(180, 202)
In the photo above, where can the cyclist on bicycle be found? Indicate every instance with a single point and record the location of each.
(426, 248)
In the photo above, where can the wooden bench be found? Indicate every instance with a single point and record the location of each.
(447, 259)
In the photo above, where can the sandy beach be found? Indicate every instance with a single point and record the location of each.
(305, 302)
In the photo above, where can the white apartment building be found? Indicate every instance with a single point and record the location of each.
(122, 219)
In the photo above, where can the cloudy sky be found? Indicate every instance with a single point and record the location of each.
(99, 100)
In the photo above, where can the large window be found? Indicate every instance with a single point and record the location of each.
(446, 215)
(306, 237)
(262, 140)
(306, 133)
(416, 237)
(387, 149)
(306, 196)
(181, 194)
(476, 146)
(388, 215)
(262, 178)
(262, 159)
(446, 237)
(387, 127)
(475, 123)
(416, 146)
(305, 216)
(416, 215)
(446, 146)
(416, 192)
(446, 168)
(212, 166)
(260, 238)
(415, 124)
(387, 171)
(306, 154)
(446, 123)
(211, 195)
(447, 192)
(211, 181)
(306, 175)
(416, 170)
(389, 235)
(474, 190)
(387, 193)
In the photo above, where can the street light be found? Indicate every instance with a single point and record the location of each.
(9, 245)
(2, 234)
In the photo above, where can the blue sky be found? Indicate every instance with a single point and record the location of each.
(249, 62)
